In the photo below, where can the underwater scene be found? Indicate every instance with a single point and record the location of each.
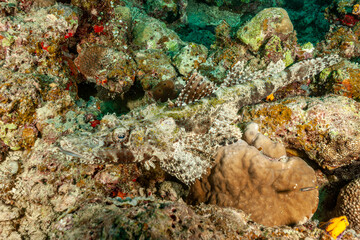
(179, 119)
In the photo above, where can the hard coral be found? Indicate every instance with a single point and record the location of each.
(327, 128)
(348, 203)
(272, 191)
(19, 98)
(153, 67)
(114, 70)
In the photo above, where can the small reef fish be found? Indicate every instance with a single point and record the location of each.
(73, 154)
(270, 98)
(335, 227)
(305, 189)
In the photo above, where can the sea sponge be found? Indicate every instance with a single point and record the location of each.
(348, 203)
(273, 192)
(163, 91)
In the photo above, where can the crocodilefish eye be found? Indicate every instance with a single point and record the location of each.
(119, 134)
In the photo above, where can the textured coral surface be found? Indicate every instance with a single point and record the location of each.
(263, 184)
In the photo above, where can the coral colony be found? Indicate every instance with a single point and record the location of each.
(179, 119)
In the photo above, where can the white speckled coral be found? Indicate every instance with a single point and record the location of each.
(268, 190)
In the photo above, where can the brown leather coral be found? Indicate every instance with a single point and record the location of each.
(273, 191)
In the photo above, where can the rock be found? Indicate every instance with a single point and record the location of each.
(167, 10)
(267, 23)
(150, 33)
(154, 66)
(190, 57)
(8, 213)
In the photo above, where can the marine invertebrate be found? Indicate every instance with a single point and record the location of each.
(113, 70)
(163, 91)
(348, 203)
(267, 23)
(335, 227)
(263, 143)
(254, 180)
(313, 125)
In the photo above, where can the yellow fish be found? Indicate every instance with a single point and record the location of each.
(335, 226)
(270, 97)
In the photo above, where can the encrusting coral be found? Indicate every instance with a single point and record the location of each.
(274, 191)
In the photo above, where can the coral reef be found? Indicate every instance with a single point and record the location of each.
(33, 41)
(348, 203)
(267, 182)
(168, 11)
(113, 70)
(183, 140)
(111, 110)
(189, 58)
(153, 66)
(327, 128)
(151, 33)
(20, 96)
(342, 79)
